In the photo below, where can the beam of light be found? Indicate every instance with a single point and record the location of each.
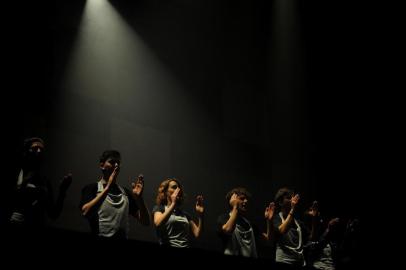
(110, 62)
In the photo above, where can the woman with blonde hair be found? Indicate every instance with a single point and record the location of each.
(174, 226)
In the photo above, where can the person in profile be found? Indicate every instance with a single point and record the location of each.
(107, 205)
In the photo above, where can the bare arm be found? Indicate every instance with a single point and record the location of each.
(159, 217)
(283, 228)
(314, 213)
(88, 206)
(142, 214)
(230, 224)
(269, 213)
(102, 195)
(197, 228)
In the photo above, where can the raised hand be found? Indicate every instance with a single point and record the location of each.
(269, 211)
(138, 186)
(66, 182)
(333, 222)
(113, 176)
(199, 205)
(294, 201)
(174, 196)
(234, 200)
(314, 210)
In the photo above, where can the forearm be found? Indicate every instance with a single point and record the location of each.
(285, 225)
(197, 228)
(159, 217)
(269, 229)
(58, 205)
(86, 208)
(314, 229)
(143, 213)
(230, 224)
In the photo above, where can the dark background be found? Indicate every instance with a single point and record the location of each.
(234, 94)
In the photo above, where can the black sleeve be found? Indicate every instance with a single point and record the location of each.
(305, 231)
(225, 238)
(257, 231)
(50, 203)
(158, 208)
(221, 220)
(89, 192)
(133, 205)
(187, 215)
(277, 221)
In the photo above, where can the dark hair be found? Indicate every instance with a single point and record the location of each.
(29, 141)
(239, 191)
(110, 154)
(161, 198)
(282, 192)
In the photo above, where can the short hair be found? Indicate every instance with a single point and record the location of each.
(161, 198)
(239, 191)
(29, 141)
(282, 192)
(110, 154)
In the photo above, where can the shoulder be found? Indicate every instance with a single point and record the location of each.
(301, 224)
(89, 188)
(277, 218)
(186, 214)
(88, 192)
(158, 208)
(127, 191)
(222, 219)
(277, 221)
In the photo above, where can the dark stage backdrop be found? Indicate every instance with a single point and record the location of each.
(219, 94)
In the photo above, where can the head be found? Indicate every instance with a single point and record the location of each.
(282, 199)
(109, 160)
(33, 149)
(165, 190)
(243, 197)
